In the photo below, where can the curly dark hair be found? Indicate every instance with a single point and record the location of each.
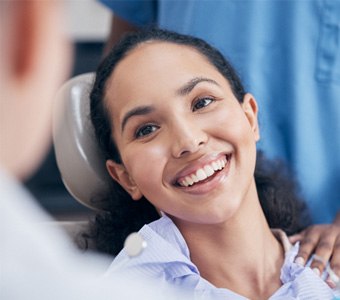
(278, 193)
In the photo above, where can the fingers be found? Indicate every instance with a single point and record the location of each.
(296, 237)
(323, 253)
(335, 261)
(322, 242)
(327, 247)
(308, 243)
(334, 267)
(332, 279)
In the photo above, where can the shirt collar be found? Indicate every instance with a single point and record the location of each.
(167, 256)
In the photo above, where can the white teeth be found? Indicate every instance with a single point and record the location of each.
(203, 173)
(184, 183)
(218, 165)
(194, 178)
(215, 166)
(189, 180)
(208, 170)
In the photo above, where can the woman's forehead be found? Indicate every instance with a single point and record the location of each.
(156, 68)
(155, 61)
(160, 54)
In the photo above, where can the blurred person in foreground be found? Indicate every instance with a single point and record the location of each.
(36, 262)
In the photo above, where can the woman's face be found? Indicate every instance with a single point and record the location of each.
(186, 143)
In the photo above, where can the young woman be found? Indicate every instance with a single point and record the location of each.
(179, 134)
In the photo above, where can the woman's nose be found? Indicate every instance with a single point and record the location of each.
(188, 137)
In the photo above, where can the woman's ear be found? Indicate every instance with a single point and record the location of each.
(250, 108)
(119, 173)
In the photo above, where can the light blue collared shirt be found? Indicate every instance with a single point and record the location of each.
(167, 259)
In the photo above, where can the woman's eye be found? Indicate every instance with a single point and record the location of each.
(201, 103)
(145, 130)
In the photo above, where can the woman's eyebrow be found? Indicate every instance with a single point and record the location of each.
(189, 86)
(137, 111)
(182, 91)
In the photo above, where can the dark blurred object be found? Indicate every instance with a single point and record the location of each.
(46, 184)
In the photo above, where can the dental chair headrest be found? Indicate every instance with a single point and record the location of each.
(80, 162)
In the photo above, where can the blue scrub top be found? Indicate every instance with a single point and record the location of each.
(288, 55)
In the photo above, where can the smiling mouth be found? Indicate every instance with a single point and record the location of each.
(205, 173)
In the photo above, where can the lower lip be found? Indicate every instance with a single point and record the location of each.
(210, 183)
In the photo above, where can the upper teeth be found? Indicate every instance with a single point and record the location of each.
(203, 173)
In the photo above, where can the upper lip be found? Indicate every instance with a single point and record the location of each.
(197, 164)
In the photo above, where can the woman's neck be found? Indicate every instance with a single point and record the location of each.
(241, 254)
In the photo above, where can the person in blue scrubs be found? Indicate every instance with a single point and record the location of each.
(288, 54)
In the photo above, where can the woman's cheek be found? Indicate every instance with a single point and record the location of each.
(146, 160)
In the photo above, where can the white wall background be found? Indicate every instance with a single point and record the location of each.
(87, 20)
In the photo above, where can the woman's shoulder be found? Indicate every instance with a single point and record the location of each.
(301, 281)
(166, 255)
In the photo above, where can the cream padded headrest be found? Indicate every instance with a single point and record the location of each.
(79, 160)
